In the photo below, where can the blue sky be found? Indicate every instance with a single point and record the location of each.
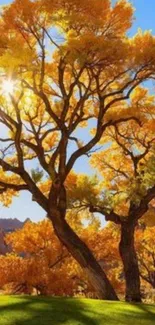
(23, 207)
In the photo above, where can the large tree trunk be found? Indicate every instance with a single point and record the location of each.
(130, 262)
(83, 256)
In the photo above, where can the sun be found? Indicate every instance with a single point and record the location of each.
(8, 86)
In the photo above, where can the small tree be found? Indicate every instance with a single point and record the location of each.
(38, 260)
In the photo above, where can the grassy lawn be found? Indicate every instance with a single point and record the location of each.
(58, 311)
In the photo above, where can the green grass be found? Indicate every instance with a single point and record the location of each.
(17, 310)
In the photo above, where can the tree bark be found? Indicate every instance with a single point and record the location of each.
(130, 262)
(83, 256)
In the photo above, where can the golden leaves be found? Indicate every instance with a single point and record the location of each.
(46, 264)
(149, 217)
(142, 49)
(7, 195)
(50, 141)
(121, 16)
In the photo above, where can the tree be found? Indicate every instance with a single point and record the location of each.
(128, 187)
(57, 87)
(38, 259)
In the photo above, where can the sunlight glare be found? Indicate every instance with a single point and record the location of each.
(8, 87)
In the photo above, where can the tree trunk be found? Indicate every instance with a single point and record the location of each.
(130, 262)
(83, 256)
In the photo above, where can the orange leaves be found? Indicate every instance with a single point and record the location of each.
(140, 95)
(45, 264)
(33, 238)
(61, 84)
(8, 193)
(12, 268)
(40, 261)
(85, 73)
(149, 219)
(145, 243)
(96, 31)
(142, 49)
(98, 15)
(81, 189)
(104, 244)
(6, 197)
(97, 50)
(126, 162)
(50, 141)
(111, 162)
(121, 16)
(26, 12)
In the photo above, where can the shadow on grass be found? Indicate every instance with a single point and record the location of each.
(65, 311)
(44, 311)
(145, 308)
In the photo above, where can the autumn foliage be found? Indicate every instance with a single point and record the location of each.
(39, 261)
(67, 66)
(40, 264)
